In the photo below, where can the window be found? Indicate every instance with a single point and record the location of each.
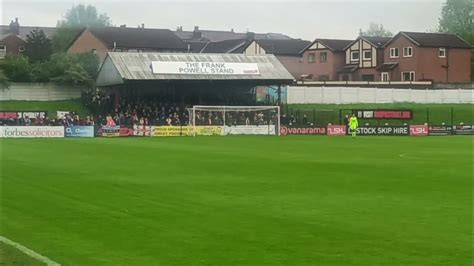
(311, 58)
(442, 53)
(323, 77)
(133, 50)
(367, 55)
(118, 50)
(140, 50)
(407, 51)
(355, 56)
(3, 51)
(384, 76)
(367, 77)
(394, 52)
(21, 49)
(323, 57)
(408, 76)
(94, 51)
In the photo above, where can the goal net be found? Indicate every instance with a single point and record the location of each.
(234, 120)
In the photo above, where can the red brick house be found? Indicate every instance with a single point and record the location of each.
(122, 39)
(417, 56)
(362, 57)
(322, 59)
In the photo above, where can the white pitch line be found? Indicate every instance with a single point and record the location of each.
(28, 251)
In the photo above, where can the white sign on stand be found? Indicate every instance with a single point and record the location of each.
(204, 68)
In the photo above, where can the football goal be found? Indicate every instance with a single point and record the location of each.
(234, 120)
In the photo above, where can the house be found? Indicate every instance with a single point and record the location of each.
(122, 39)
(288, 51)
(322, 59)
(419, 56)
(362, 57)
(13, 37)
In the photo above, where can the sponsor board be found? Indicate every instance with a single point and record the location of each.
(250, 130)
(22, 114)
(114, 131)
(143, 130)
(209, 130)
(384, 114)
(302, 131)
(382, 131)
(170, 131)
(436, 130)
(31, 132)
(464, 130)
(337, 130)
(419, 130)
(79, 131)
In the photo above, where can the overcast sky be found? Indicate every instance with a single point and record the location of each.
(299, 19)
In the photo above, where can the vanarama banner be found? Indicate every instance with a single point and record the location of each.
(32, 132)
(302, 130)
(204, 68)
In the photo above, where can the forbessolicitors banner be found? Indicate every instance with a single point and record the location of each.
(32, 132)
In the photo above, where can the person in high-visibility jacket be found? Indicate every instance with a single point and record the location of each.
(353, 125)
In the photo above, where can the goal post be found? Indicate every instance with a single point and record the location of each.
(234, 120)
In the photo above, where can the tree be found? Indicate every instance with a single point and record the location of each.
(73, 69)
(16, 68)
(64, 37)
(457, 17)
(75, 20)
(4, 82)
(90, 62)
(84, 16)
(376, 30)
(38, 46)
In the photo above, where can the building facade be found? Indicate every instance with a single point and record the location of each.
(322, 59)
(122, 39)
(437, 57)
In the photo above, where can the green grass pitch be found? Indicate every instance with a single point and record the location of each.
(239, 200)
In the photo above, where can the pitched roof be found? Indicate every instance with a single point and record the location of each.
(387, 66)
(378, 42)
(196, 46)
(217, 36)
(25, 30)
(227, 46)
(347, 69)
(283, 47)
(334, 45)
(426, 39)
(139, 38)
(119, 68)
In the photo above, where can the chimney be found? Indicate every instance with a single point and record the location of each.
(143, 25)
(15, 27)
(196, 33)
(232, 30)
(179, 29)
(123, 26)
(250, 35)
